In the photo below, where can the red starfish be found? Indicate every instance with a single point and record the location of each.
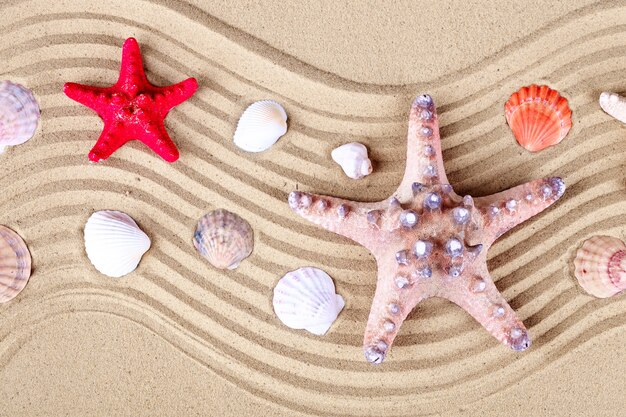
(430, 242)
(132, 108)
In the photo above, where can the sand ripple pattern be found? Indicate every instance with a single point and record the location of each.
(223, 319)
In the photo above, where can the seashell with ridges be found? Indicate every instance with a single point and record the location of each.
(306, 299)
(353, 159)
(224, 239)
(538, 116)
(114, 242)
(15, 264)
(601, 266)
(614, 105)
(260, 126)
(19, 114)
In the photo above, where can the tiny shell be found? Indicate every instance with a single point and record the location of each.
(14, 264)
(353, 159)
(306, 299)
(19, 114)
(224, 239)
(114, 243)
(601, 266)
(614, 105)
(260, 126)
(538, 116)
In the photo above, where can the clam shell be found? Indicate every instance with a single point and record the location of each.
(614, 105)
(601, 266)
(14, 264)
(260, 126)
(224, 239)
(353, 159)
(114, 243)
(19, 114)
(538, 116)
(306, 299)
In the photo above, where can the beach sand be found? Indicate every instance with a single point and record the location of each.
(177, 337)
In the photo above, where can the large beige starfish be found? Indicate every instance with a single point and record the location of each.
(430, 242)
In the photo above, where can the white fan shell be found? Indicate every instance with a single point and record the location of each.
(260, 126)
(114, 243)
(306, 299)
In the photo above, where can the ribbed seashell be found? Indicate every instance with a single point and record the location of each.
(260, 126)
(19, 114)
(538, 116)
(614, 105)
(224, 239)
(114, 243)
(601, 266)
(353, 159)
(306, 299)
(14, 264)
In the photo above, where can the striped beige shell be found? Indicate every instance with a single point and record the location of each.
(19, 114)
(14, 264)
(601, 266)
(224, 239)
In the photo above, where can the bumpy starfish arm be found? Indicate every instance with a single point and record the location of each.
(160, 142)
(96, 98)
(477, 294)
(395, 297)
(111, 139)
(175, 94)
(424, 163)
(132, 73)
(343, 217)
(503, 211)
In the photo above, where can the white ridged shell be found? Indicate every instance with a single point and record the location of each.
(14, 264)
(601, 266)
(614, 105)
(19, 114)
(353, 159)
(114, 243)
(260, 126)
(306, 299)
(223, 238)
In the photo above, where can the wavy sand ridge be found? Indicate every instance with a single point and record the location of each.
(222, 322)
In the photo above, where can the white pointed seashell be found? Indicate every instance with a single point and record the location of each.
(306, 299)
(614, 105)
(353, 159)
(260, 126)
(114, 243)
(19, 114)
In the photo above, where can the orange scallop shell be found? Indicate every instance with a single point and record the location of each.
(601, 266)
(538, 116)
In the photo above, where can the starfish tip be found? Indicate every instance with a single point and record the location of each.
(522, 343)
(374, 355)
(297, 200)
(558, 185)
(131, 43)
(95, 157)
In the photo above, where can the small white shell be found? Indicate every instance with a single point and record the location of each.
(19, 114)
(260, 126)
(114, 243)
(614, 105)
(306, 299)
(352, 157)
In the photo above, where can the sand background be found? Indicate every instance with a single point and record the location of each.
(177, 337)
